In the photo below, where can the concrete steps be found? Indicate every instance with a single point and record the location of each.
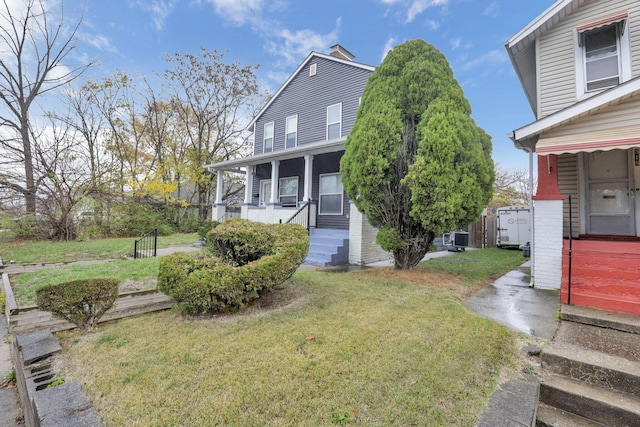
(328, 247)
(591, 372)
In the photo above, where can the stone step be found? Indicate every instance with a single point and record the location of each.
(593, 367)
(548, 416)
(605, 319)
(594, 403)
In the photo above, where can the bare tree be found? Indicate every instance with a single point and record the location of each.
(212, 98)
(511, 187)
(34, 59)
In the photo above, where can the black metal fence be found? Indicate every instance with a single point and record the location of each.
(147, 245)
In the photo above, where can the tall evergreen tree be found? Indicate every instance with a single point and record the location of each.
(415, 162)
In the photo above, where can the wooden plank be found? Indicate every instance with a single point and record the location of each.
(11, 307)
(130, 304)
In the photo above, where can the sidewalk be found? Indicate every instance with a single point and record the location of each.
(10, 411)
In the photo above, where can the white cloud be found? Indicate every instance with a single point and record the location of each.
(419, 6)
(489, 59)
(159, 9)
(99, 42)
(387, 47)
(238, 12)
(432, 24)
(493, 10)
(455, 43)
(292, 46)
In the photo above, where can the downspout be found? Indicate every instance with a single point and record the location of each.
(531, 221)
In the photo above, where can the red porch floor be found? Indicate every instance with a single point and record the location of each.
(604, 274)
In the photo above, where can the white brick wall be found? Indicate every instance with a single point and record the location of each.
(547, 251)
(363, 248)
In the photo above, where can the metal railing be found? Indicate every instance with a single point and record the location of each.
(570, 253)
(228, 215)
(302, 216)
(147, 245)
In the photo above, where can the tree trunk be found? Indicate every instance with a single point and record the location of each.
(417, 248)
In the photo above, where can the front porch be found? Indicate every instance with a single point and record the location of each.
(604, 274)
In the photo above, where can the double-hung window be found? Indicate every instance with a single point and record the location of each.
(604, 55)
(267, 141)
(291, 133)
(289, 191)
(331, 194)
(334, 121)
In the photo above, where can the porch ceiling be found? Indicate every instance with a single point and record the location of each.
(607, 139)
(290, 153)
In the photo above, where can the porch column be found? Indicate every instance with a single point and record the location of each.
(308, 179)
(275, 173)
(248, 185)
(548, 225)
(219, 187)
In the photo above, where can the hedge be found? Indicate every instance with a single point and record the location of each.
(82, 302)
(252, 258)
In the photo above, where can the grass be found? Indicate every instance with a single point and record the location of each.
(377, 347)
(132, 273)
(24, 251)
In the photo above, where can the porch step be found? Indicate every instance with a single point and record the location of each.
(591, 402)
(548, 416)
(591, 371)
(328, 247)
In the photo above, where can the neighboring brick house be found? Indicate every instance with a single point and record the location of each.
(299, 138)
(579, 65)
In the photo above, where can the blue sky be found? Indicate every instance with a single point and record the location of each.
(133, 35)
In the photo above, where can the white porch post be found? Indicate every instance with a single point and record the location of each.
(248, 185)
(219, 187)
(275, 172)
(308, 172)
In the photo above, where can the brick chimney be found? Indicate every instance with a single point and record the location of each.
(340, 52)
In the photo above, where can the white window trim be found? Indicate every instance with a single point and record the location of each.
(263, 199)
(264, 136)
(624, 58)
(339, 104)
(329, 194)
(280, 188)
(286, 131)
(313, 69)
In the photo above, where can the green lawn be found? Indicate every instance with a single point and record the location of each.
(377, 347)
(24, 252)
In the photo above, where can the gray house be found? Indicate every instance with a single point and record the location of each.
(293, 174)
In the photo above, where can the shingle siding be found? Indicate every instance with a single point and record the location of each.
(309, 96)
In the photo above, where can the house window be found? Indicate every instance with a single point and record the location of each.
(268, 137)
(602, 57)
(313, 68)
(334, 121)
(291, 133)
(265, 192)
(289, 191)
(331, 194)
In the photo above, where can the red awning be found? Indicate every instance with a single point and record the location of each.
(601, 22)
(602, 140)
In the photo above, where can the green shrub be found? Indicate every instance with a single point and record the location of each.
(206, 227)
(201, 283)
(132, 218)
(82, 302)
(3, 300)
(239, 242)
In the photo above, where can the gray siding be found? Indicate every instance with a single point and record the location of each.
(568, 183)
(308, 97)
(557, 71)
(322, 164)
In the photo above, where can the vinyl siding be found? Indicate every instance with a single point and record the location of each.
(557, 52)
(568, 183)
(621, 115)
(308, 97)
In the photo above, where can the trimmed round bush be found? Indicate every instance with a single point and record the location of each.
(82, 302)
(252, 258)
